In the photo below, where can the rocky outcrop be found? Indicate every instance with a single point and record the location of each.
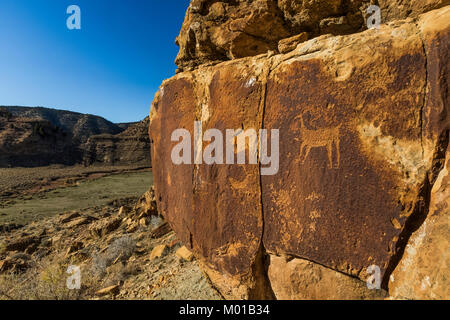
(363, 122)
(215, 31)
(132, 146)
(401, 9)
(222, 30)
(298, 279)
(423, 271)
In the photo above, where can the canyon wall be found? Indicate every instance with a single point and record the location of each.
(130, 147)
(36, 136)
(31, 142)
(363, 120)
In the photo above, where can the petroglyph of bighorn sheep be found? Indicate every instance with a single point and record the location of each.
(319, 138)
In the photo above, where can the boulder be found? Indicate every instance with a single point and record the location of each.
(158, 252)
(423, 269)
(161, 230)
(18, 262)
(109, 290)
(82, 220)
(21, 244)
(185, 254)
(289, 44)
(228, 236)
(146, 204)
(105, 226)
(74, 247)
(67, 217)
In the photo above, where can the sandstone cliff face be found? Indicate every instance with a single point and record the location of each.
(364, 124)
(215, 31)
(31, 142)
(132, 146)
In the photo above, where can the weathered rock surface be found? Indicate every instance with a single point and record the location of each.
(289, 44)
(215, 31)
(353, 172)
(299, 279)
(363, 121)
(423, 270)
(229, 236)
(222, 30)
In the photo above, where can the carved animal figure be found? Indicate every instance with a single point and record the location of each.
(322, 137)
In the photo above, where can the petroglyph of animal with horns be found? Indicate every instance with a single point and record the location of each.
(319, 138)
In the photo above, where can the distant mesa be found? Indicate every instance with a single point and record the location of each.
(37, 136)
(80, 125)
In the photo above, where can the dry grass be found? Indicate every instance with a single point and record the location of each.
(47, 281)
(120, 250)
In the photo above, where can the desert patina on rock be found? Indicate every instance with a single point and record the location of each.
(352, 169)
(228, 238)
(363, 120)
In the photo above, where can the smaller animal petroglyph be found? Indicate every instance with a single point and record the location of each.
(319, 138)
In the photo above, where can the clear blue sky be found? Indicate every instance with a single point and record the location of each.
(112, 67)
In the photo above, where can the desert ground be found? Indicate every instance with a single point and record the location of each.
(32, 194)
(97, 219)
